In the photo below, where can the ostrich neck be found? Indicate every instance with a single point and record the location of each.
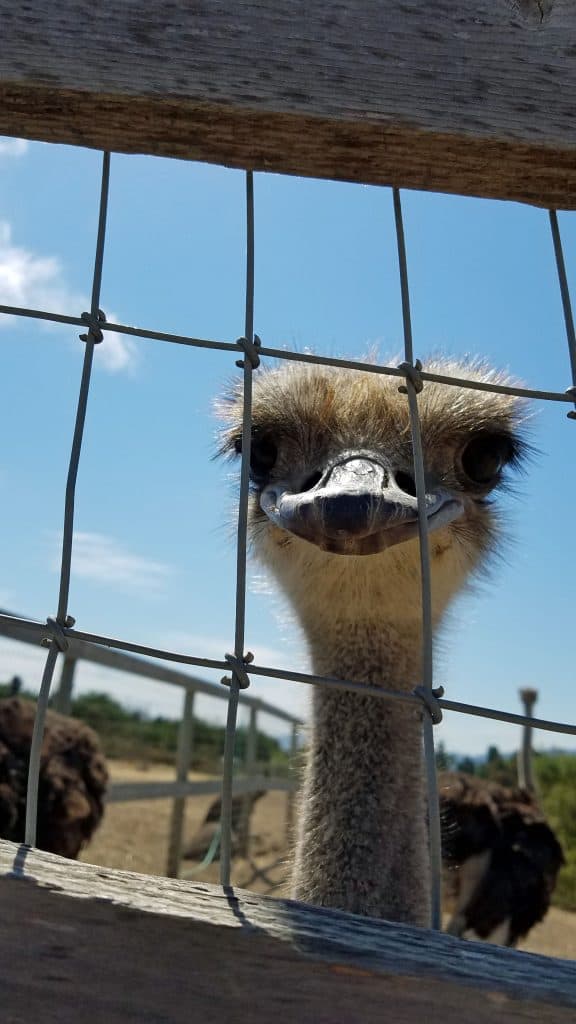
(362, 844)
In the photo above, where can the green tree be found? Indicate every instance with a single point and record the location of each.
(444, 761)
(498, 768)
(556, 779)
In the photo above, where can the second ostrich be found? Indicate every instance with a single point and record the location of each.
(72, 784)
(504, 858)
(333, 517)
(500, 854)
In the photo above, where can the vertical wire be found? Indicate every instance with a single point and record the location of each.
(249, 313)
(435, 837)
(68, 531)
(62, 619)
(565, 295)
(83, 397)
(36, 747)
(403, 267)
(425, 582)
(241, 546)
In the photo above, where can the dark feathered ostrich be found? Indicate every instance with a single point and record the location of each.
(73, 778)
(501, 856)
(333, 517)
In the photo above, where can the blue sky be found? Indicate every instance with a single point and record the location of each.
(154, 559)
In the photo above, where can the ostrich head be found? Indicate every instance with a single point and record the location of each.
(333, 510)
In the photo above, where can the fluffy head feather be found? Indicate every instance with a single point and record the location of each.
(304, 415)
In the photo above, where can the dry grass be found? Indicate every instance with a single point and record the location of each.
(134, 837)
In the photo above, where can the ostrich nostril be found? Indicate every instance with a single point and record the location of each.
(406, 483)
(311, 481)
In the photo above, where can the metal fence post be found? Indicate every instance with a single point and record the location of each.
(183, 758)
(250, 770)
(291, 792)
(63, 695)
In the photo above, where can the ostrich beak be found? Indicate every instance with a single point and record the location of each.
(356, 507)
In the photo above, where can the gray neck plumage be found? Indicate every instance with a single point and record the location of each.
(362, 842)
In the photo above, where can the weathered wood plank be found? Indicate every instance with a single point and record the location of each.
(475, 97)
(127, 947)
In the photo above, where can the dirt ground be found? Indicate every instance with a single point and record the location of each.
(134, 837)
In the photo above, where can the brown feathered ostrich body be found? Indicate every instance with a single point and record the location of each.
(73, 778)
(501, 857)
(333, 517)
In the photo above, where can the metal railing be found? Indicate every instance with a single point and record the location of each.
(58, 634)
(251, 781)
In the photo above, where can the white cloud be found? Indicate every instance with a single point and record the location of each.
(38, 282)
(26, 279)
(215, 647)
(28, 661)
(20, 659)
(117, 352)
(102, 559)
(12, 147)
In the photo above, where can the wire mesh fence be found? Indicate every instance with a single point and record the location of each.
(238, 665)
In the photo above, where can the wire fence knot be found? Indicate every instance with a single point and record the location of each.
(94, 331)
(430, 700)
(57, 634)
(238, 666)
(413, 373)
(250, 349)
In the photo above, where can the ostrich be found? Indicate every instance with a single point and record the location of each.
(73, 778)
(501, 857)
(528, 696)
(333, 517)
(208, 835)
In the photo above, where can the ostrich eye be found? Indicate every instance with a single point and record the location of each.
(263, 455)
(485, 456)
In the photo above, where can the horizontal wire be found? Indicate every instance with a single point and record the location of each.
(41, 630)
(136, 332)
(299, 357)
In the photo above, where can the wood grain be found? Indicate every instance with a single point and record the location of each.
(127, 947)
(475, 97)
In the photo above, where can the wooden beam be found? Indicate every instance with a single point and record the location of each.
(125, 947)
(475, 97)
(121, 792)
